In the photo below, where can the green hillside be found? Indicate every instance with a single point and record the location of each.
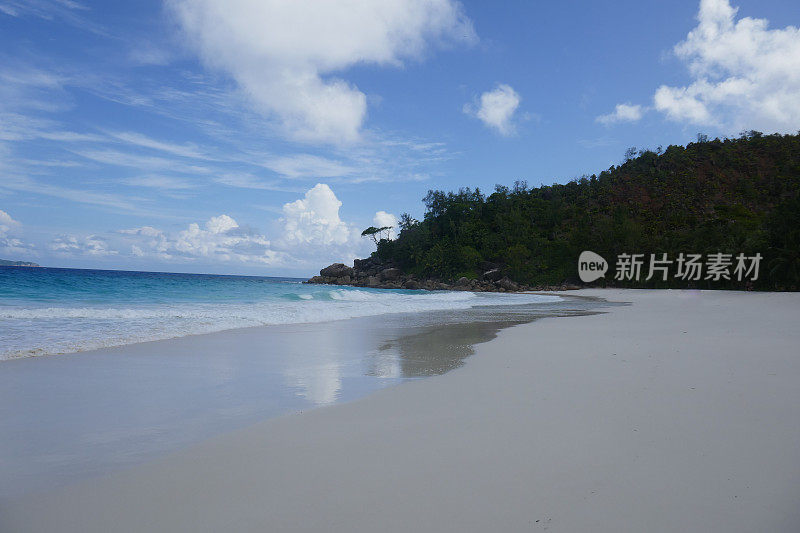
(730, 196)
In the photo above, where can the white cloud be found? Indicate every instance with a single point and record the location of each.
(83, 196)
(308, 166)
(150, 241)
(91, 245)
(314, 219)
(284, 55)
(745, 75)
(233, 153)
(16, 127)
(496, 109)
(622, 113)
(219, 239)
(221, 224)
(68, 11)
(70, 136)
(31, 77)
(222, 239)
(383, 219)
(8, 241)
(137, 139)
(14, 245)
(6, 222)
(309, 232)
(125, 159)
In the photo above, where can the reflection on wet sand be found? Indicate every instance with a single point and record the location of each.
(434, 350)
(444, 344)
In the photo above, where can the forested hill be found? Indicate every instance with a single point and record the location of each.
(723, 196)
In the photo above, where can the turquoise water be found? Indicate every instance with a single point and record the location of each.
(52, 310)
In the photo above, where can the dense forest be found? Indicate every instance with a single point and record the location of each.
(712, 196)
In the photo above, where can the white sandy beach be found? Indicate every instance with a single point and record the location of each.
(680, 412)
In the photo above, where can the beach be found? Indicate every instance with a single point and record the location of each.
(678, 412)
(73, 416)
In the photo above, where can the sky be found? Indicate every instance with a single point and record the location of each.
(262, 136)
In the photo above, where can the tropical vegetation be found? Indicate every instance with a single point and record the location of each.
(728, 196)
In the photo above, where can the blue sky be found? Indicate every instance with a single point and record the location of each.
(260, 137)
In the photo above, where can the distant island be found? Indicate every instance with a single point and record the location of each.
(6, 263)
(731, 196)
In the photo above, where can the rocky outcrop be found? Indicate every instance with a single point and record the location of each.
(336, 270)
(507, 284)
(390, 274)
(374, 273)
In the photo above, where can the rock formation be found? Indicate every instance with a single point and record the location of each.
(374, 273)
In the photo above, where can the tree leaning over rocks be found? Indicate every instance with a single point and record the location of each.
(377, 234)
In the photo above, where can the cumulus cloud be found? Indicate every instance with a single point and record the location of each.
(285, 55)
(9, 242)
(496, 109)
(314, 219)
(383, 219)
(744, 74)
(151, 241)
(220, 238)
(220, 224)
(622, 113)
(309, 232)
(91, 245)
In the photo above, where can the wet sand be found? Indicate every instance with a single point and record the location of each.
(677, 413)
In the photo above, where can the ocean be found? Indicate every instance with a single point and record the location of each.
(45, 311)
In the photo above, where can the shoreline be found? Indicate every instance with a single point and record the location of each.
(678, 412)
(70, 417)
(363, 302)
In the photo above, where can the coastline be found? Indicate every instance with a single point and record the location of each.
(676, 413)
(55, 311)
(70, 417)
